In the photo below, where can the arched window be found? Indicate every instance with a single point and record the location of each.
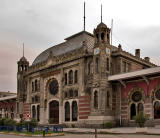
(74, 111)
(133, 111)
(102, 36)
(38, 113)
(76, 76)
(136, 106)
(70, 77)
(67, 111)
(107, 64)
(32, 86)
(33, 112)
(107, 98)
(95, 99)
(97, 64)
(36, 85)
(65, 79)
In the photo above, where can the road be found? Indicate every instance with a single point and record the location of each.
(89, 136)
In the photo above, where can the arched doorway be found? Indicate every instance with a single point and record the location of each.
(54, 112)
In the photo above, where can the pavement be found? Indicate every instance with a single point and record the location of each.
(121, 130)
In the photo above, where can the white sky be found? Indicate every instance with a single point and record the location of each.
(43, 23)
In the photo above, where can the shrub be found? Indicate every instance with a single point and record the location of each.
(50, 120)
(140, 119)
(73, 125)
(9, 122)
(108, 125)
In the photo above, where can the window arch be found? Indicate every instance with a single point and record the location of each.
(70, 77)
(67, 111)
(76, 76)
(95, 99)
(74, 111)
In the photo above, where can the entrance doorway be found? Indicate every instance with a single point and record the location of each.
(54, 112)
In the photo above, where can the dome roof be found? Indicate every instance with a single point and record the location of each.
(23, 59)
(101, 25)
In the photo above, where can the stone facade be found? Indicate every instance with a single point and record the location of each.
(68, 83)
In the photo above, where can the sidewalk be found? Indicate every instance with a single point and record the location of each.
(121, 130)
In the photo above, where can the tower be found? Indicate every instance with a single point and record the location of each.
(101, 91)
(23, 66)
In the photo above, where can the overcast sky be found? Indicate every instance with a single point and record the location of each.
(43, 23)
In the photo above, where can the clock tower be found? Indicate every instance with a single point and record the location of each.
(101, 90)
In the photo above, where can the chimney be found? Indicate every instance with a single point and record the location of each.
(137, 53)
(147, 59)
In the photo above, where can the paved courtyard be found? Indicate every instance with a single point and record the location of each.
(90, 136)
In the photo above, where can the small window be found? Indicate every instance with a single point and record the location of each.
(36, 85)
(76, 76)
(95, 99)
(70, 77)
(65, 78)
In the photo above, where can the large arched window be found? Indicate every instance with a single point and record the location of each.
(34, 112)
(95, 99)
(136, 106)
(74, 111)
(76, 76)
(70, 77)
(67, 111)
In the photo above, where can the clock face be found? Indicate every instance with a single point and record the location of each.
(96, 51)
(108, 51)
(54, 87)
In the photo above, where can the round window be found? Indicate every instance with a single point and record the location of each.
(137, 96)
(54, 87)
(157, 94)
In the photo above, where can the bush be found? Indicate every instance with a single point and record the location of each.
(50, 120)
(108, 125)
(73, 125)
(7, 122)
(140, 119)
